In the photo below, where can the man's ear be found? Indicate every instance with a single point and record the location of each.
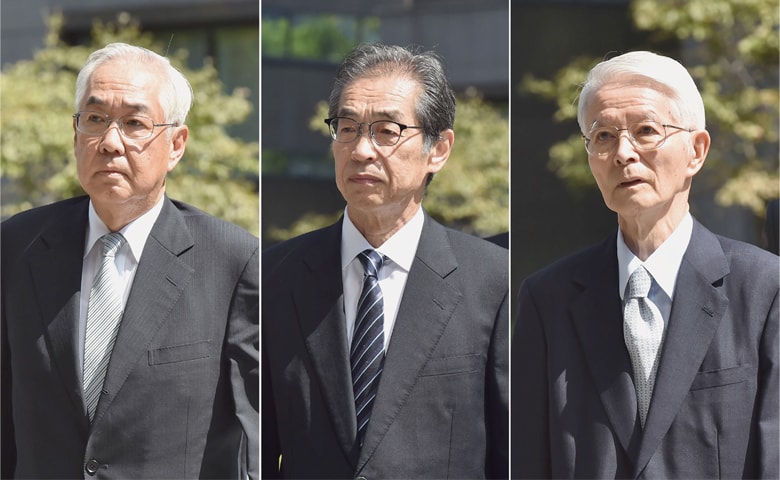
(700, 143)
(178, 145)
(440, 151)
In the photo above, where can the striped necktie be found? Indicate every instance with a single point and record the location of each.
(368, 342)
(103, 315)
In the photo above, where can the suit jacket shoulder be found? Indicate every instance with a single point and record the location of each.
(324, 241)
(580, 267)
(20, 229)
(213, 231)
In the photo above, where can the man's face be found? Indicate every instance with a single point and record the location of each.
(635, 182)
(117, 172)
(385, 181)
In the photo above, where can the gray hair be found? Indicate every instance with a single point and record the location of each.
(667, 73)
(176, 95)
(435, 106)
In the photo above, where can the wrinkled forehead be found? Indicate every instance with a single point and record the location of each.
(132, 84)
(379, 92)
(630, 98)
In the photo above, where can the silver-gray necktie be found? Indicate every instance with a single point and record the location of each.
(103, 315)
(643, 328)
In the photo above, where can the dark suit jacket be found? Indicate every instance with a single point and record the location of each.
(714, 412)
(441, 409)
(182, 383)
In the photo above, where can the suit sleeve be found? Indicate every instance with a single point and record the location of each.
(498, 397)
(7, 442)
(243, 351)
(768, 404)
(530, 415)
(270, 439)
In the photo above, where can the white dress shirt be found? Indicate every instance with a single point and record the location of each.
(127, 258)
(399, 252)
(663, 265)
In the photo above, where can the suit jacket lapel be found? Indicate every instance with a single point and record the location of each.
(697, 309)
(159, 282)
(319, 303)
(426, 307)
(598, 319)
(55, 268)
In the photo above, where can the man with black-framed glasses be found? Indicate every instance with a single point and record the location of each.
(385, 335)
(129, 320)
(653, 354)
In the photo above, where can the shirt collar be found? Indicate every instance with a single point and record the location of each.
(400, 248)
(663, 264)
(135, 232)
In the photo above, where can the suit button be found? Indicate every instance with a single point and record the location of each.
(92, 466)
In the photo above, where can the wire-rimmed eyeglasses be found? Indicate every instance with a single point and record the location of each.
(384, 133)
(647, 135)
(137, 127)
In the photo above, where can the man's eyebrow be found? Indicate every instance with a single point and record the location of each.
(139, 107)
(391, 114)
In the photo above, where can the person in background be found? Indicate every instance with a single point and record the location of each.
(385, 335)
(653, 354)
(129, 320)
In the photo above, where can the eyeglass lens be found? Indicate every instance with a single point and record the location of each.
(643, 135)
(131, 126)
(383, 132)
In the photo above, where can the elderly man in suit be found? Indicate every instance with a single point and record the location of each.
(611, 380)
(415, 387)
(129, 320)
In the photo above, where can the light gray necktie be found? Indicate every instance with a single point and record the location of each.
(643, 328)
(103, 315)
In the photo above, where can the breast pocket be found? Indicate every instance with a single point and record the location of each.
(723, 377)
(453, 365)
(724, 385)
(180, 353)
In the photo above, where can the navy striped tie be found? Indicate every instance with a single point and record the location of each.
(368, 342)
(103, 315)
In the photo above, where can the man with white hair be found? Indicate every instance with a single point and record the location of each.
(129, 320)
(655, 353)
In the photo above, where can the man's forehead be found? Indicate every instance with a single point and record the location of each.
(390, 89)
(641, 101)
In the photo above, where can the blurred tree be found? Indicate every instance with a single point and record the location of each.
(731, 50)
(218, 173)
(471, 193)
(315, 37)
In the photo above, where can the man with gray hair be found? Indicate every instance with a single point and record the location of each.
(129, 320)
(385, 335)
(655, 353)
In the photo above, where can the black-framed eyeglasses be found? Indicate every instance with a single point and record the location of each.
(647, 135)
(384, 133)
(137, 127)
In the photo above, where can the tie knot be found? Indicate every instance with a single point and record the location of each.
(372, 262)
(111, 243)
(639, 283)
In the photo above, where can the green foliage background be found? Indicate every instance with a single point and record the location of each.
(217, 174)
(732, 53)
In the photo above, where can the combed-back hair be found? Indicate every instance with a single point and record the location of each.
(435, 104)
(176, 95)
(661, 72)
